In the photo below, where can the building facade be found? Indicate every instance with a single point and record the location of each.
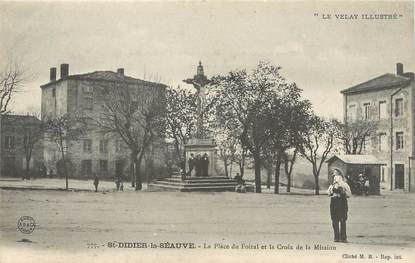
(389, 102)
(95, 152)
(15, 132)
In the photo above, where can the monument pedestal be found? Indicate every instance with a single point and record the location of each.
(192, 183)
(207, 179)
(200, 147)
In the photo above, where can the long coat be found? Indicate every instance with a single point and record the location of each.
(338, 203)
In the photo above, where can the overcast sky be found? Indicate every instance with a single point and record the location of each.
(166, 41)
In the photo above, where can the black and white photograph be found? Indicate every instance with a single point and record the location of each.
(207, 131)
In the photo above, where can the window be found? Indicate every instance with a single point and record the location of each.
(367, 144)
(118, 145)
(86, 167)
(383, 113)
(88, 103)
(105, 91)
(9, 142)
(10, 166)
(351, 116)
(382, 142)
(382, 173)
(103, 146)
(88, 89)
(87, 145)
(103, 166)
(366, 107)
(398, 107)
(399, 141)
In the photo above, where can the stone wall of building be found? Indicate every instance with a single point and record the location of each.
(96, 152)
(14, 128)
(404, 123)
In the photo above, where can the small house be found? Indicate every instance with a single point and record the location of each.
(354, 165)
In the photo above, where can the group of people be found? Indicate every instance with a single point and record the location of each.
(118, 183)
(360, 185)
(199, 163)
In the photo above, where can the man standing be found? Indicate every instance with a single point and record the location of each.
(198, 165)
(96, 182)
(339, 191)
(205, 166)
(191, 163)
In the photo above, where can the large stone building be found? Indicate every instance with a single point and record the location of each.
(16, 145)
(95, 152)
(389, 100)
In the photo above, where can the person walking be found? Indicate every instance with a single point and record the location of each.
(338, 192)
(96, 182)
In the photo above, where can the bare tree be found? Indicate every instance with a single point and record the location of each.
(180, 118)
(287, 116)
(319, 142)
(228, 149)
(137, 116)
(63, 130)
(33, 133)
(289, 161)
(268, 164)
(242, 101)
(354, 134)
(11, 78)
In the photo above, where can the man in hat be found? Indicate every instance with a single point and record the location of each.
(339, 191)
(198, 165)
(191, 163)
(205, 165)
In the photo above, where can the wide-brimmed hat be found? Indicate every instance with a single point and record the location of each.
(339, 171)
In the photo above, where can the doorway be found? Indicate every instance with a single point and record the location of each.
(119, 168)
(10, 167)
(399, 176)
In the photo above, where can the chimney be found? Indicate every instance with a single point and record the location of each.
(64, 70)
(52, 74)
(120, 71)
(399, 69)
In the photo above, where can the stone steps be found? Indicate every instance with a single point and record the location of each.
(187, 185)
(212, 184)
(199, 180)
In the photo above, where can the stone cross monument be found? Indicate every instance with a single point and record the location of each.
(200, 151)
(199, 82)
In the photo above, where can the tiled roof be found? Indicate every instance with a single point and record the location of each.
(356, 159)
(108, 76)
(384, 81)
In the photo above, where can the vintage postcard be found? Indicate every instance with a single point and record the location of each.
(207, 131)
